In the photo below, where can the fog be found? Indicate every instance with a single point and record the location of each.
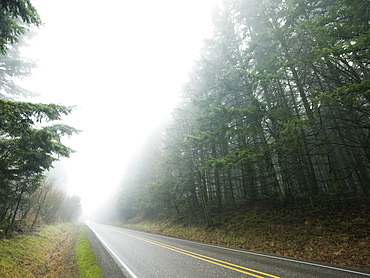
(122, 64)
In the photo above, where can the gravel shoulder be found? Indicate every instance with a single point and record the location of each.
(107, 263)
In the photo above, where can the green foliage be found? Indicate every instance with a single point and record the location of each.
(276, 108)
(348, 95)
(11, 14)
(28, 147)
(15, 67)
(292, 130)
(23, 146)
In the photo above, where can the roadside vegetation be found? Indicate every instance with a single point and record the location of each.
(47, 252)
(86, 259)
(335, 231)
(53, 251)
(30, 133)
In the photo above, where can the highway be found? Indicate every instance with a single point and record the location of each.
(144, 255)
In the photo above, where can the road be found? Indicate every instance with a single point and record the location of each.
(144, 255)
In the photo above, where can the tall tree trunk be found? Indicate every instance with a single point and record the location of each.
(10, 226)
(204, 198)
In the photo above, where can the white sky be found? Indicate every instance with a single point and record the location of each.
(122, 63)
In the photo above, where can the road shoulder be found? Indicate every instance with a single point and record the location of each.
(104, 259)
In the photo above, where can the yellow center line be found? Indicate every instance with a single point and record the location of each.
(214, 261)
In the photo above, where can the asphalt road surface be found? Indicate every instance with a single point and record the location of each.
(145, 255)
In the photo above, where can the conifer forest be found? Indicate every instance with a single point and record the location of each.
(277, 107)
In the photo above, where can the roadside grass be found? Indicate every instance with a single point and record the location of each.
(34, 255)
(334, 233)
(57, 251)
(85, 257)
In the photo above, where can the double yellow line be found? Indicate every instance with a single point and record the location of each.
(238, 268)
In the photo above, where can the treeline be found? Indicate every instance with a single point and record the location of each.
(29, 144)
(36, 203)
(277, 107)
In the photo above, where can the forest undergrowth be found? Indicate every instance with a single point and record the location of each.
(334, 231)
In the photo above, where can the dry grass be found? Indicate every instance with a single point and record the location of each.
(48, 252)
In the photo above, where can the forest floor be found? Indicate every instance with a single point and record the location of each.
(334, 231)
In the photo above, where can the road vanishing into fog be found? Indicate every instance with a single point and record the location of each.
(145, 255)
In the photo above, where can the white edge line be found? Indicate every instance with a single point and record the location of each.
(114, 254)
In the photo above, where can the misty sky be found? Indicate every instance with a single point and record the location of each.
(122, 64)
